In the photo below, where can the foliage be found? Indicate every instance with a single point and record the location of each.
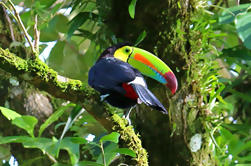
(52, 146)
(233, 134)
(80, 35)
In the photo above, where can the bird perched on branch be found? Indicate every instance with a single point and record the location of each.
(117, 75)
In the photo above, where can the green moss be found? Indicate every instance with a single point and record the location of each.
(131, 139)
(33, 68)
(10, 59)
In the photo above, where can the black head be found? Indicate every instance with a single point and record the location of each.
(109, 52)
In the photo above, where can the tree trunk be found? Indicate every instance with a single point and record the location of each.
(167, 138)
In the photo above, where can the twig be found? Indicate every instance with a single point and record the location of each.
(103, 152)
(227, 10)
(10, 25)
(18, 19)
(51, 157)
(3, 4)
(36, 36)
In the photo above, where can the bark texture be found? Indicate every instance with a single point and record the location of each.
(166, 137)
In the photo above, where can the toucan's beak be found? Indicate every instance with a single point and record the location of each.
(151, 66)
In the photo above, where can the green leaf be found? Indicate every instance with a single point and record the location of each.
(34, 160)
(14, 139)
(55, 59)
(244, 159)
(47, 3)
(131, 8)
(79, 20)
(109, 152)
(113, 137)
(9, 114)
(79, 140)
(241, 147)
(26, 122)
(59, 23)
(228, 15)
(243, 26)
(140, 38)
(126, 151)
(44, 144)
(89, 163)
(244, 96)
(60, 164)
(238, 53)
(75, 113)
(54, 117)
(71, 148)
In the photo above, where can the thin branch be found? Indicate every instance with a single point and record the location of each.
(51, 157)
(18, 19)
(10, 25)
(36, 36)
(227, 10)
(103, 153)
(6, 7)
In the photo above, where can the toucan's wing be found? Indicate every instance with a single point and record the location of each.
(147, 97)
(109, 73)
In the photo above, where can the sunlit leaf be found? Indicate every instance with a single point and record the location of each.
(126, 151)
(131, 8)
(113, 137)
(8, 113)
(26, 122)
(14, 139)
(44, 144)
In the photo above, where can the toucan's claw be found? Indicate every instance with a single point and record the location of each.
(102, 97)
(127, 115)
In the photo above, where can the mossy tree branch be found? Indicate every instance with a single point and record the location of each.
(44, 78)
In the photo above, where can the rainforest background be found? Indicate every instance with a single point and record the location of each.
(50, 116)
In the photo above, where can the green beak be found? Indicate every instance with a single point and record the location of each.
(151, 66)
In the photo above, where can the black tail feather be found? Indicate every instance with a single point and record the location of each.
(147, 97)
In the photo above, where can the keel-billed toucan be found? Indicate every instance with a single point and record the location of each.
(117, 74)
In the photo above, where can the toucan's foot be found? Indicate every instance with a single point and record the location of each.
(128, 120)
(102, 97)
(127, 115)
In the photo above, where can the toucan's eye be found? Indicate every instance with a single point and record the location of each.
(127, 50)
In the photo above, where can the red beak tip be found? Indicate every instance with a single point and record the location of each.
(172, 83)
